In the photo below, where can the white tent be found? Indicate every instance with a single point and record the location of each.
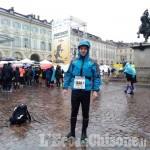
(45, 62)
(104, 67)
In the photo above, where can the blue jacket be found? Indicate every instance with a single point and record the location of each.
(53, 75)
(48, 73)
(83, 67)
(33, 70)
(129, 70)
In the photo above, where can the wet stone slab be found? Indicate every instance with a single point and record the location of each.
(113, 114)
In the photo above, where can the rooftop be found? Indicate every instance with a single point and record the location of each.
(29, 17)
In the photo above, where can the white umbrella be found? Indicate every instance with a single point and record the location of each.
(65, 67)
(17, 65)
(45, 62)
(26, 61)
(2, 63)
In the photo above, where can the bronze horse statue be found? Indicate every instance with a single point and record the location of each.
(145, 26)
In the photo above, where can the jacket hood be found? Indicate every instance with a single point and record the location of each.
(84, 43)
(127, 65)
(129, 69)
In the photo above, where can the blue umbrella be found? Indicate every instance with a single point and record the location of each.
(26, 65)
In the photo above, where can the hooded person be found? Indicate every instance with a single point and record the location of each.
(129, 73)
(84, 76)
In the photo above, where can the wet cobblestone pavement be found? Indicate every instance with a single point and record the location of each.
(113, 114)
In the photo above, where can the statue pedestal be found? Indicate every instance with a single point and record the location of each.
(142, 61)
(142, 55)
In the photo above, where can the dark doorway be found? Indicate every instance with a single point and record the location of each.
(35, 57)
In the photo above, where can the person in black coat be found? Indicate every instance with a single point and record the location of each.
(3, 80)
(37, 75)
(7, 77)
(58, 75)
(16, 78)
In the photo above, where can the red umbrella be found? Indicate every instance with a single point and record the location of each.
(45, 66)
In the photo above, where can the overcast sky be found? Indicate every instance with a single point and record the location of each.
(116, 20)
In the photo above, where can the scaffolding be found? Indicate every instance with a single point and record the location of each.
(79, 25)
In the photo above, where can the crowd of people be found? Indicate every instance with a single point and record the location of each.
(11, 78)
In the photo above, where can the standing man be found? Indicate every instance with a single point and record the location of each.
(84, 76)
(8, 74)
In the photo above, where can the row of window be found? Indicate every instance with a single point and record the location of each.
(122, 50)
(26, 43)
(102, 62)
(125, 57)
(104, 54)
(95, 44)
(25, 27)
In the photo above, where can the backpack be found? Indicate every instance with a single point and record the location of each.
(20, 115)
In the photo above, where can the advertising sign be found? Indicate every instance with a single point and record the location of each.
(61, 41)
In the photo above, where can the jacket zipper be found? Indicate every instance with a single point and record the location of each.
(81, 71)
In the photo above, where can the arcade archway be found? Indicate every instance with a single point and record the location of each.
(18, 56)
(49, 57)
(35, 57)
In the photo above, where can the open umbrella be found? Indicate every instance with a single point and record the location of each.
(45, 66)
(58, 61)
(26, 65)
(45, 62)
(65, 67)
(17, 65)
(2, 63)
(27, 61)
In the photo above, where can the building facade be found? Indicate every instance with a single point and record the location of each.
(30, 36)
(26, 36)
(104, 52)
(124, 53)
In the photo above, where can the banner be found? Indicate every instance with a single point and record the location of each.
(118, 66)
(61, 41)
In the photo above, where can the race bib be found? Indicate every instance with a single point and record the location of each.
(79, 82)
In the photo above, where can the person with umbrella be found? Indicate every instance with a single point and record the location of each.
(84, 76)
